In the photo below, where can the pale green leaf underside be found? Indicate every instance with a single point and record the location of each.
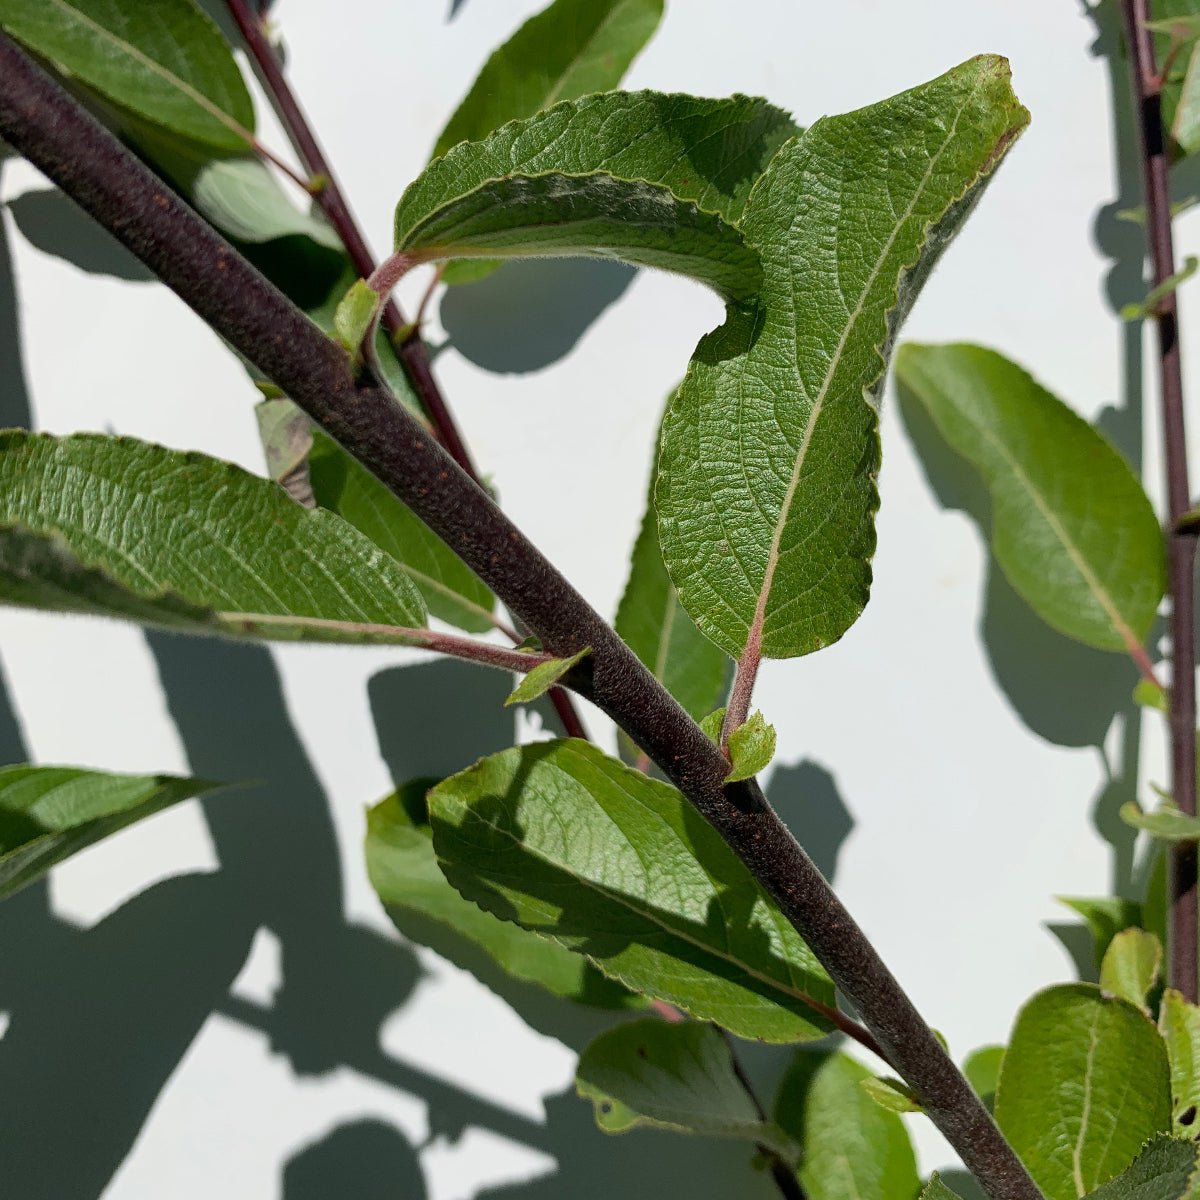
(937, 1190)
(853, 1148)
(165, 61)
(1162, 1171)
(656, 628)
(1084, 1085)
(49, 813)
(751, 748)
(543, 677)
(1072, 528)
(590, 216)
(451, 590)
(769, 452)
(1167, 822)
(117, 527)
(1179, 1024)
(891, 1094)
(243, 198)
(677, 1076)
(1131, 966)
(572, 48)
(575, 845)
(403, 870)
(655, 179)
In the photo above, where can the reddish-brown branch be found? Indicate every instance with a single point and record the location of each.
(409, 345)
(42, 122)
(1181, 546)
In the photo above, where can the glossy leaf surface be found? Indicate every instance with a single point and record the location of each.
(166, 60)
(49, 813)
(677, 1076)
(576, 846)
(572, 48)
(1084, 1085)
(853, 1148)
(766, 490)
(403, 871)
(122, 528)
(1131, 966)
(1072, 527)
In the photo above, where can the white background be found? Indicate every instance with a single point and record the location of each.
(971, 804)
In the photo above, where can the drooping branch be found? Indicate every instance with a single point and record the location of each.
(1184, 897)
(46, 125)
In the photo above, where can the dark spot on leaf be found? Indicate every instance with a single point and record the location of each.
(1188, 1115)
(641, 1052)
(606, 1108)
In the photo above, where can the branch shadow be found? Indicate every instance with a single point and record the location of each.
(15, 409)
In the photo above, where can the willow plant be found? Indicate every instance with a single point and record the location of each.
(656, 881)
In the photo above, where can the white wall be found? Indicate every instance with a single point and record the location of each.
(972, 806)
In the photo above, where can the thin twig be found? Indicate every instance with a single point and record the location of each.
(1181, 547)
(409, 346)
(42, 122)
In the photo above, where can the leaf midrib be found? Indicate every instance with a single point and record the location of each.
(1090, 580)
(156, 68)
(646, 914)
(755, 632)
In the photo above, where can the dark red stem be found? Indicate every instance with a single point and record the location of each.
(1181, 545)
(410, 348)
(42, 122)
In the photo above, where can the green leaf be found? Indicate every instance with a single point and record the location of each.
(1084, 1084)
(766, 490)
(677, 1076)
(1162, 1171)
(1106, 916)
(751, 748)
(286, 434)
(891, 1094)
(1071, 526)
(48, 814)
(576, 846)
(1149, 306)
(1179, 1024)
(1150, 695)
(165, 61)
(403, 871)
(1185, 125)
(713, 724)
(1167, 822)
(937, 1190)
(1131, 966)
(654, 179)
(982, 1069)
(451, 590)
(117, 527)
(355, 313)
(571, 49)
(853, 1149)
(656, 628)
(543, 677)
(244, 199)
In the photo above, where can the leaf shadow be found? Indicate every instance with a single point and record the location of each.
(529, 314)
